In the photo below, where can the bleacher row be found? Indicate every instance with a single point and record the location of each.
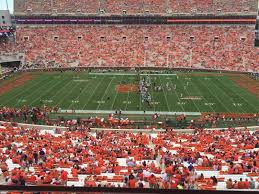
(226, 47)
(135, 7)
(205, 160)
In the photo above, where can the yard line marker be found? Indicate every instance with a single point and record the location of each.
(130, 94)
(140, 101)
(153, 96)
(164, 94)
(49, 89)
(201, 94)
(177, 95)
(42, 94)
(97, 85)
(24, 91)
(239, 96)
(226, 94)
(105, 92)
(62, 92)
(81, 80)
(5, 102)
(216, 97)
(79, 94)
(190, 95)
(116, 95)
(60, 102)
(127, 101)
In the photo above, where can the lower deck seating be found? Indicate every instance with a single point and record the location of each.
(39, 157)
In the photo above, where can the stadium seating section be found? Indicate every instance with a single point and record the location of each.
(187, 46)
(205, 160)
(133, 7)
(211, 160)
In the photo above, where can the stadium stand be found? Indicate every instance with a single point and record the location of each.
(81, 6)
(187, 46)
(204, 160)
(135, 7)
(81, 156)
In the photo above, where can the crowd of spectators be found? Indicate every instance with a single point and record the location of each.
(216, 119)
(135, 7)
(187, 46)
(4, 70)
(203, 160)
(36, 115)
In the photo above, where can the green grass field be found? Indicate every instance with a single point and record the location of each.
(87, 91)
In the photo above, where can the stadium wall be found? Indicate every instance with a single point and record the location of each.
(134, 20)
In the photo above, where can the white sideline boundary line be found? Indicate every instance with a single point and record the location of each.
(131, 74)
(129, 112)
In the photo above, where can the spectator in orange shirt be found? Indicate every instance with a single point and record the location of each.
(97, 170)
(74, 172)
(246, 184)
(132, 182)
(152, 181)
(64, 176)
(241, 184)
(89, 182)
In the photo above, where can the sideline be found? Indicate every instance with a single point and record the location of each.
(132, 74)
(130, 112)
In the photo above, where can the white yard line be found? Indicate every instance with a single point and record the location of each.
(217, 98)
(176, 93)
(189, 95)
(80, 94)
(116, 95)
(97, 85)
(60, 102)
(164, 94)
(140, 100)
(57, 92)
(62, 95)
(105, 92)
(238, 95)
(130, 96)
(45, 92)
(153, 95)
(228, 97)
(127, 102)
(201, 94)
(25, 91)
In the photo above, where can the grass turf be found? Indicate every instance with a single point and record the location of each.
(84, 91)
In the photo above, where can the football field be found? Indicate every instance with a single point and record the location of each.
(180, 92)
